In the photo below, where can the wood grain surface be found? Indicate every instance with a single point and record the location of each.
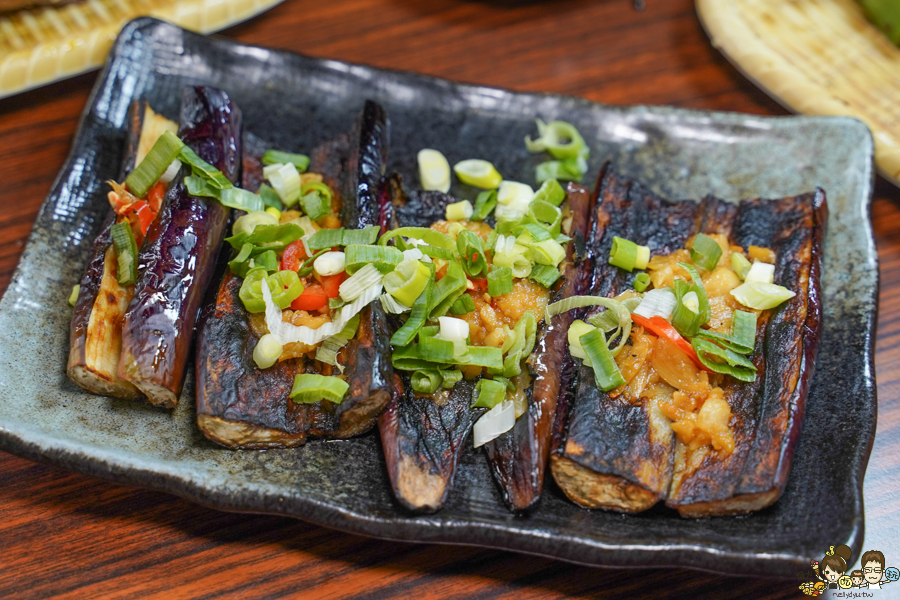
(64, 535)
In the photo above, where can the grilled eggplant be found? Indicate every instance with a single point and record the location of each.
(178, 257)
(242, 406)
(96, 330)
(613, 454)
(518, 457)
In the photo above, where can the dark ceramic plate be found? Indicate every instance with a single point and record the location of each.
(295, 102)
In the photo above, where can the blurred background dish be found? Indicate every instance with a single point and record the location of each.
(58, 39)
(817, 57)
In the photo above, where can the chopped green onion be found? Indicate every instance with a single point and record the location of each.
(447, 290)
(761, 296)
(577, 329)
(545, 215)
(270, 197)
(548, 252)
(641, 282)
(285, 179)
(537, 233)
(325, 238)
(241, 199)
(450, 378)
(284, 287)
(406, 282)
(478, 173)
(460, 211)
(267, 237)
(73, 297)
(550, 191)
(359, 283)
(606, 372)
(571, 169)
(705, 252)
(437, 350)
(686, 315)
(164, 151)
(126, 253)
(435, 252)
(240, 264)
(274, 157)
(471, 253)
(510, 386)
(559, 138)
(545, 275)
(488, 393)
(267, 351)
(507, 253)
(390, 305)
(315, 199)
(275, 212)
(407, 332)
(740, 264)
(573, 302)
(385, 258)
(411, 357)
(484, 204)
(513, 200)
(247, 223)
(309, 388)
(214, 176)
(267, 260)
(499, 281)
(434, 170)
(462, 305)
(525, 332)
(700, 290)
(722, 360)
(627, 255)
(760, 272)
(743, 333)
(426, 382)
(429, 236)
(364, 236)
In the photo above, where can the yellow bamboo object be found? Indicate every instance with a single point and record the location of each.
(42, 45)
(818, 57)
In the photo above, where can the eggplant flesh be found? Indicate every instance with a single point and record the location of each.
(242, 406)
(518, 458)
(609, 453)
(178, 257)
(95, 341)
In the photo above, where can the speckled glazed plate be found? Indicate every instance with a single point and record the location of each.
(296, 102)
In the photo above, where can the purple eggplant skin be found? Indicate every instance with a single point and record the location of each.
(82, 366)
(365, 168)
(518, 458)
(767, 415)
(611, 453)
(178, 256)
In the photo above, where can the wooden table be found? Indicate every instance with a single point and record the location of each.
(64, 535)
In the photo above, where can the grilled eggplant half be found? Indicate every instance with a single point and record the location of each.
(242, 406)
(518, 457)
(96, 330)
(622, 455)
(178, 258)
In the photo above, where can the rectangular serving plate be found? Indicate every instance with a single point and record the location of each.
(296, 102)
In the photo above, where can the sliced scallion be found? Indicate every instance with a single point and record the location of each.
(499, 281)
(267, 351)
(743, 333)
(390, 305)
(761, 296)
(471, 253)
(705, 252)
(309, 388)
(760, 272)
(161, 155)
(315, 199)
(359, 282)
(488, 393)
(722, 360)
(484, 204)
(570, 169)
(202, 168)
(385, 258)
(365, 236)
(577, 329)
(641, 282)
(478, 173)
(406, 282)
(270, 197)
(274, 157)
(434, 170)
(429, 236)
(462, 305)
(550, 191)
(450, 378)
(740, 264)
(607, 375)
(126, 253)
(325, 238)
(559, 138)
(686, 315)
(548, 252)
(417, 317)
(460, 211)
(627, 255)
(447, 290)
(328, 351)
(285, 179)
(545, 275)
(426, 382)
(73, 297)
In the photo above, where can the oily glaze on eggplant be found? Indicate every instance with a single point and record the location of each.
(609, 453)
(95, 337)
(518, 457)
(242, 406)
(178, 258)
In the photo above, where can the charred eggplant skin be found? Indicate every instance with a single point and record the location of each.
(178, 256)
(518, 458)
(79, 369)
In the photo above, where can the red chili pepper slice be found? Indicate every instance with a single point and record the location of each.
(144, 214)
(293, 256)
(155, 196)
(312, 298)
(332, 283)
(661, 327)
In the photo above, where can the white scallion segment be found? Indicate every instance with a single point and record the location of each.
(288, 333)
(306, 224)
(267, 350)
(577, 329)
(171, 171)
(643, 257)
(760, 272)
(330, 263)
(513, 199)
(392, 306)
(459, 211)
(250, 221)
(414, 254)
(305, 240)
(359, 282)
(285, 180)
(434, 170)
(494, 423)
(657, 303)
(453, 329)
(761, 296)
(691, 302)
